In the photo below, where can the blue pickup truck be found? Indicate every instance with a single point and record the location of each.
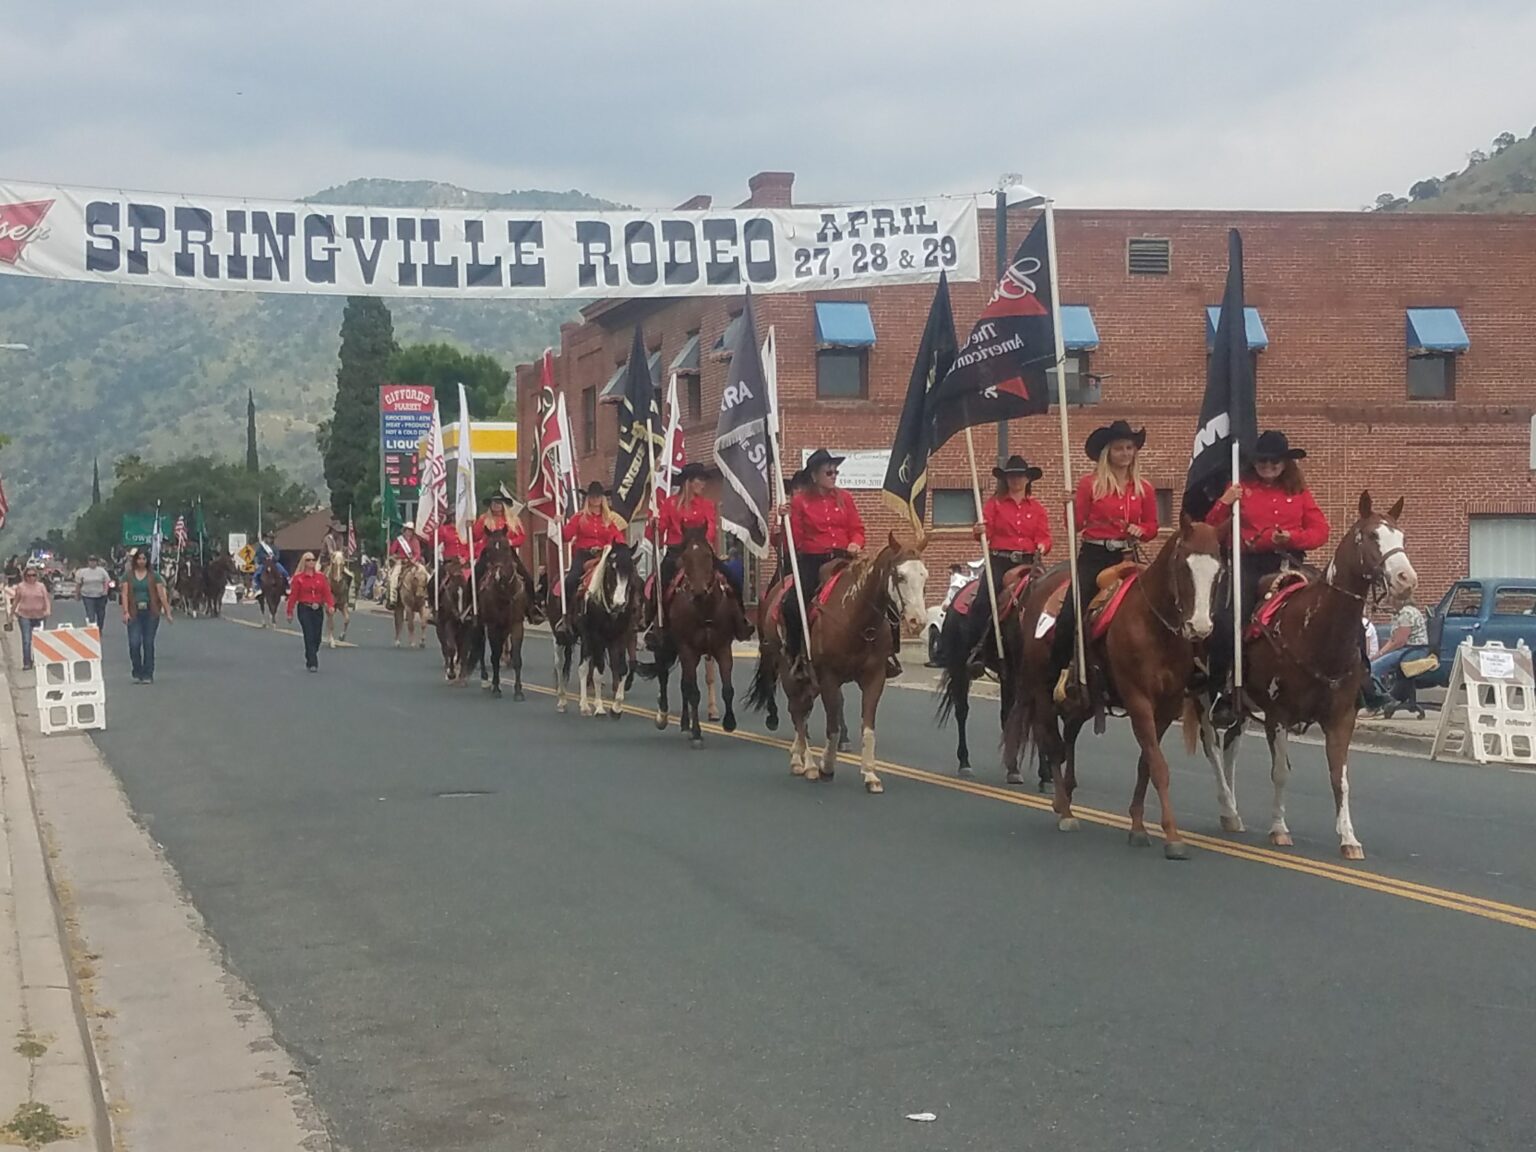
(1494, 608)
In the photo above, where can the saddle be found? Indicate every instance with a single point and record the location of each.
(1015, 581)
(1274, 590)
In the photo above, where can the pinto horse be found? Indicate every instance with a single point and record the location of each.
(271, 587)
(504, 601)
(340, 578)
(456, 624)
(1305, 667)
(410, 607)
(850, 642)
(1146, 655)
(702, 618)
(602, 623)
(958, 639)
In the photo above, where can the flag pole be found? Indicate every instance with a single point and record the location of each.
(1237, 576)
(986, 548)
(655, 517)
(772, 376)
(1080, 650)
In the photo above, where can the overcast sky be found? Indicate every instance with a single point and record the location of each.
(1147, 103)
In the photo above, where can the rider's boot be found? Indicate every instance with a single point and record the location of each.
(1224, 708)
(893, 667)
(1064, 686)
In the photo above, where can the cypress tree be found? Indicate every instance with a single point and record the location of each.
(95, 482)
(367, 342)
(251, 463)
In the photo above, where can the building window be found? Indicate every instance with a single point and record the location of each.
(1432, 377)
(693, 386)
(1082, 388)
(1165, 515)
(589, 420)
(842, 373)
(953, 508)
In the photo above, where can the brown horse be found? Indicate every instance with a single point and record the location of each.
(215, 579)
(456, 624)
(188, 586)
(410, 606)
(340, 578)
(850, 642)
(703, 618)
(272, 586)
(504, 601)
(1142, 663)
(1306, 667)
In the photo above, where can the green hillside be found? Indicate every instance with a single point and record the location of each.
(1499, 179)
(164, 372)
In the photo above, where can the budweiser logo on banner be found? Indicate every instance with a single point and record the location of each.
(20, 224)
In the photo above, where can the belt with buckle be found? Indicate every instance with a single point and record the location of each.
(1014, 557)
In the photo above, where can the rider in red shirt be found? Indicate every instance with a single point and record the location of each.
(1278, 522)
(688, 509)
(499, 517)
(1018, 532)
(588, 533)
(1116, 512)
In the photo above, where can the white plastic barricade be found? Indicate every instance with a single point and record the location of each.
(71, 694)
(1490, 708)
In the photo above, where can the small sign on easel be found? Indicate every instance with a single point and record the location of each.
(1490, 706)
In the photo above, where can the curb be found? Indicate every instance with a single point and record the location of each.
(67, 1076)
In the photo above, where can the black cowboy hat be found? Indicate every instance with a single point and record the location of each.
(803, 476)
(1018, 466)
(694, 471)
(1101, 438)
(820, 459)
(1273, 445)
(501, 494)
(596, 489)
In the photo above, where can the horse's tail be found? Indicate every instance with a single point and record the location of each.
(765, 681)
(955, 681)
(1189, 724)
(567, 653)
(665, 655)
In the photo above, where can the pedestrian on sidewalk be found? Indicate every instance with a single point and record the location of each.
(145, 602)
(310, 593)
(32, 604)
(94, 581)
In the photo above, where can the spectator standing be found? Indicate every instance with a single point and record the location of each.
(32, 604)
(93, 581)
(145, 602)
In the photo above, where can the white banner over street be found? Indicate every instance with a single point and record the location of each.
(172, 240)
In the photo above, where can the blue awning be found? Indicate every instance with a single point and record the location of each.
(844, 324)
(727, 338)
(1258, 339)
(1078, 331)
(613, 391)
(1436, 330)
(688, 359)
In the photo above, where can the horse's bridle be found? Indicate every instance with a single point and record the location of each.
(1180, 555)
(1376, 578)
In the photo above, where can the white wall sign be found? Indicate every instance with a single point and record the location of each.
(236, 542)
(860, 469)
(175, 240)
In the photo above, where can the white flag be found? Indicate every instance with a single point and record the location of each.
(465, 504)
(432, 499)
(567, 457)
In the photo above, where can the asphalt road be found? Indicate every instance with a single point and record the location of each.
(483, 925)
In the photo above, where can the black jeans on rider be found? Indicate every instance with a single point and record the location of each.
(1093, 557)
(1001, 564)
(1256, 565)
(810, 565)
(579, 558)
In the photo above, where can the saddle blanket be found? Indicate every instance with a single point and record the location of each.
(1008, 595)
(1284, 588)
(1106, 615)
(776, 605)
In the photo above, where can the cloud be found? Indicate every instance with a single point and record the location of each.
(1203, 103)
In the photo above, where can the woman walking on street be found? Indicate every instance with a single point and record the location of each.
(94, 581)
(32, 604)
(310, 593)
(145, 601)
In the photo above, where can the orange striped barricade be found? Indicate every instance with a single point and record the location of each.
(71, 694)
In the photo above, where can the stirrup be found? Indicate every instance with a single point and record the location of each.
(1063, 683)
(893, 667)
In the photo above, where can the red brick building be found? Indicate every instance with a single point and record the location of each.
(1435, 406)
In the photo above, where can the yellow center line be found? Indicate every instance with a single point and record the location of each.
(1512, 914)
(284, 631)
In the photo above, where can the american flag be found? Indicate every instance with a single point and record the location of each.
(181, 530)
(351, 535)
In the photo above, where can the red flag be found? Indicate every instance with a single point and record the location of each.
(181, 530)
(543, 492)
(5, 506)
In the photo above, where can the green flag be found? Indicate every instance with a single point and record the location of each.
(392, 521)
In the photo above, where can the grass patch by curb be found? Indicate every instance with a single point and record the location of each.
(35, 1125)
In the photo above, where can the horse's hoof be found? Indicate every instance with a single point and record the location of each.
(661, 721)
(964, 769)
(1140, 840)
(1069, 824)
(842, 744)
(813, 773)
(1232, 824)
(729, 723)
(797, 769)
(496, 693)
(397, 643)
(1281, 839)
(771, 723)
(874, 787)
(1014, 777)
(517, 696)
(713, 717)
(695, 742)
(1352, 851)
(1046, 787)
(616, 711)
(560, 707)
(1175, 850)
(586, 709)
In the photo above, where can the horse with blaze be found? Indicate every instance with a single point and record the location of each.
(850, 642)
(1303, 666)
(602, 626)
(1141, 661)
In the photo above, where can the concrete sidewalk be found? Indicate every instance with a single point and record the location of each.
(140, 1038)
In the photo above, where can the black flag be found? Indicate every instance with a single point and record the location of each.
(743, 450)
(906, 477)
(1000, 373)
(1230, 407)
(638, 423)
